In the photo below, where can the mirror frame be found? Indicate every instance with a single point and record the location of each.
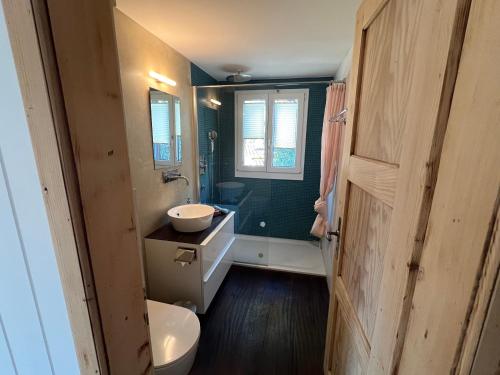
(174, 162)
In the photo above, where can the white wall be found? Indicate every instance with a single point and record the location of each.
(139, 52)
(345, 67)
(35, 335)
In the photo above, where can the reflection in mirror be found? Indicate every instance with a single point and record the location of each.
(178, 131)
(165, 129)
(160, 125)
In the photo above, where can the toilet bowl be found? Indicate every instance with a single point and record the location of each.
(175, 332)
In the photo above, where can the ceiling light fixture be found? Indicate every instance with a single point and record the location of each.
(216, 102)
(162, 78)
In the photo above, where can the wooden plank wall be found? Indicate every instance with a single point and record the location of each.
(85, 46)
(457, 256)
(31, 73)
(67, 160)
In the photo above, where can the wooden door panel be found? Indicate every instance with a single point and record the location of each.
(356, 332)
(376, 178)
(405, 59)
(387, 76)
(367, 230)
(347, 359)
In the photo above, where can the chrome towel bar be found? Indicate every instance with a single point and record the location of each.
(340, 117)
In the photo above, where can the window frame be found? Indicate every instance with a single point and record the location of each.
(173, 162)
(268, 171)
(177, 160)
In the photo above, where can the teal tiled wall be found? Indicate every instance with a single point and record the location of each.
(285, 206)
(200, 78)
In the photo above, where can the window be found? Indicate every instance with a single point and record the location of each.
(270, 133)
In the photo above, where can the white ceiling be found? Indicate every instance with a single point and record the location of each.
(271, 38)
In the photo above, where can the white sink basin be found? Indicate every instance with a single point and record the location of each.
(191, 217)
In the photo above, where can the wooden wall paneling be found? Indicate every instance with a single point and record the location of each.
(52, 173)
(86, 52)
(457, 256)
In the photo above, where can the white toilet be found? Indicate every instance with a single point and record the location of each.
(174, 338)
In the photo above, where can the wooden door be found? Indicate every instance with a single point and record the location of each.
(461, 255)
(405, 61)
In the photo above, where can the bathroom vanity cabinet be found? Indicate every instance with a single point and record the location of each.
(171, 273)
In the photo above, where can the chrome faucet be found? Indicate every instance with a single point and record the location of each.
(169, 176)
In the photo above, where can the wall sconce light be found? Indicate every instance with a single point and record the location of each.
(162, 78)
(216, 102)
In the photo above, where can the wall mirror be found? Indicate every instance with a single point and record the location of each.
(166, 129)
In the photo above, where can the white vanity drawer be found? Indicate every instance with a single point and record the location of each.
(216, 276)
(214, 247)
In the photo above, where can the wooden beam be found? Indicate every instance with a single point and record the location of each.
(31, 73)
(42, 23)
(375, 177)
(85, 46)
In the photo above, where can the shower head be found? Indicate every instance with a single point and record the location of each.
(212, 135)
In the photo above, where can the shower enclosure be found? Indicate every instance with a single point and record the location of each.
(272, 216)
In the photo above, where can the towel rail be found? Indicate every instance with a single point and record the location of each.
(340, 117)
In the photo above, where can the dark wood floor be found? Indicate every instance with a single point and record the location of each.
(264, 322)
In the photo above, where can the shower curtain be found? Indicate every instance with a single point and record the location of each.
(330, 154)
